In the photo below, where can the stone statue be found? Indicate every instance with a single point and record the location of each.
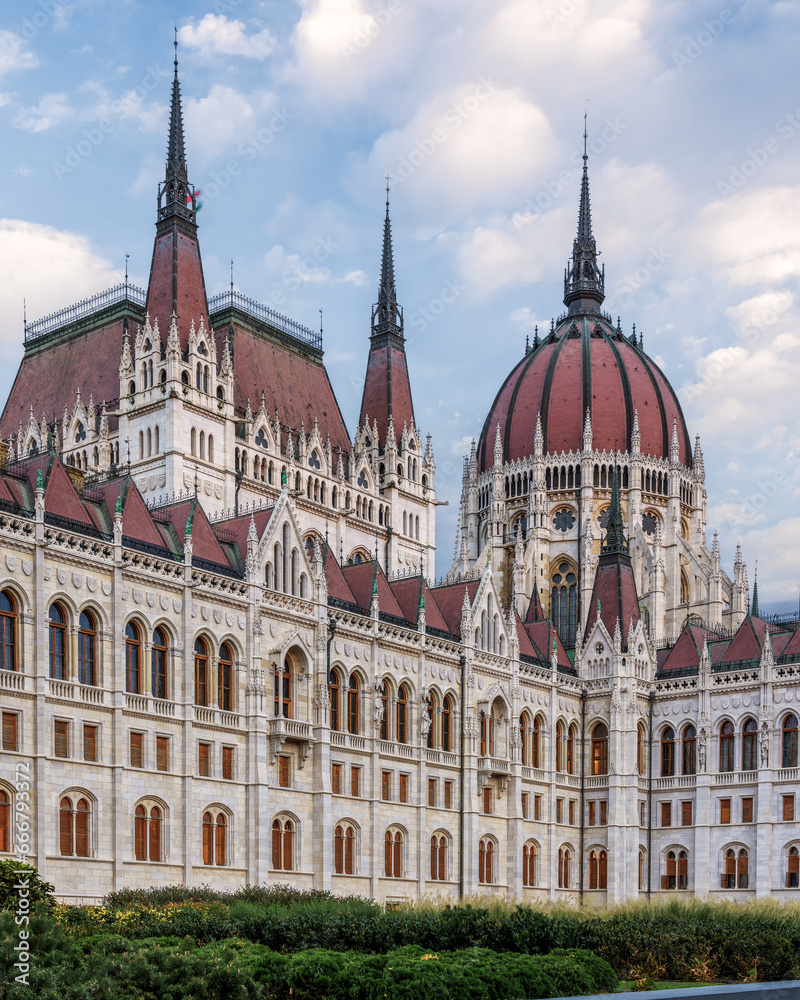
(378, 709)
(701, 749)
(425, 720)
(765, 745)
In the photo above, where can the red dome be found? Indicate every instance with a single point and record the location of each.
(584, 364)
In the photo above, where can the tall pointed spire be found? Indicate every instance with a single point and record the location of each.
(584, 281)
(615, 537)
(387, 317)
(176, 290)
(176, 196)
(754, 609)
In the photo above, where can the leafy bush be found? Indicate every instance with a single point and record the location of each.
(12, 874)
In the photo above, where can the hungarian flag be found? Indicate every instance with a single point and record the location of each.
(198, 205)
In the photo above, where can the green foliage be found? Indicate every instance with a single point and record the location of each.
(12, 874)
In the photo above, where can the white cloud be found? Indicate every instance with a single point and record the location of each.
(219, 122)
(74, 270)
(216, 35)
(14, 53)
(52, 110)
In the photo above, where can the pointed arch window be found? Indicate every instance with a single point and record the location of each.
(334, 693)
(572, 736)
(283, 844)
(535, 743)
(640, 741)
(563, 599)
(560, 746)
(726, 744)
(133, 658)
(384, 692)
(402, 714)
(447, 723)
(200, 672)
(87, 649)
(524, 721)
(159, 664)
(58, 642)
(667, 751)
(600, 749)
(689, 746)
(790, 741)
(225, 677)
(353, 692)
(750, 745)
(430, 709)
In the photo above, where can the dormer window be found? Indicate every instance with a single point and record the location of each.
(313, 461)
(80, 432)
(147, 345)
(201, 349)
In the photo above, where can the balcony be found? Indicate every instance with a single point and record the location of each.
(736, 778)
(495, 767)
(282, 730)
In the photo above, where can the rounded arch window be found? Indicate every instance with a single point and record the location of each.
(447, 723)
(529, 864)
(215, 837)
(393, 854)
(353, 692)
(600, 749)
(200, 672)
(283, 831)
(87, 651)
(225, 677)
(689, 747)
(439, 847)
(133, 659)
(159, 664)
(344, 849)
(790, 741)
(58, 642)
(148, 833)
(486, 861)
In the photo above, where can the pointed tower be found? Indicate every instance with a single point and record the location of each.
(584, 281)
(387, 389)
(176, 285)
(614, 596)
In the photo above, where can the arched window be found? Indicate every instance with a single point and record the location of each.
(215, 837)
(563, 867)
(726, 737)
(736, 874)
(430, 709)
(600, 749)
(793, 869)
(225, 678)
(58, 642)
(353, 705)
(283, 845)
(210, 447)
(193, 442)
(529, 864)
(87, 640)
(147, 833)
(790, 741)
(74, 827)
(438, 857)
(384, 693)
(159, 664)
(283, 690)
(5, 822)
(640, 738)
(344, 843)
(563, 593)
(689, 750)
(560, 746)
(393, 854)
(750, 745)
(200, 672)
(536, 743)
(202, 444)
(677, 876)
(133, 658)
(524, 726)
(487, 735)
(447, 723)
(667, 751)
(334, 692)
(402, 714)
(486, 861)
(571, 738)
(150, 442)
(642, 869)
(598, 870)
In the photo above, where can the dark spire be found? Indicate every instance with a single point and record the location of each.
(615, 535)
(584, 281)
(176, 196)
(386, 316)
(754, 606)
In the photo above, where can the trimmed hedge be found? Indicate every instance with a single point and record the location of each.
(659, 941)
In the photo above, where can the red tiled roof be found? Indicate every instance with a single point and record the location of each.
(61, 497)
(407, 592)
(746, 644)
(450, 599)
(535, 612)
(526, 647)
(793, 645)
(688, 650)
(566, 375)
(239, 527)
(297, 386)
(336, 583)
(48, 379)
(387, 389)
(359, 578)
(191, 301)
(615, 587)
(541, 635)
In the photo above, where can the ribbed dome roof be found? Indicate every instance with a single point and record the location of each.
(583, 364)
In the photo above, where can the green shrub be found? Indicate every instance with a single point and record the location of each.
(12, 874)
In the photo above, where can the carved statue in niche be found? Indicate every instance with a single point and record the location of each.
(701, 749)
(764, 741)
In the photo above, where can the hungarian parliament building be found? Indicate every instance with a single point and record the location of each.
(225, 658)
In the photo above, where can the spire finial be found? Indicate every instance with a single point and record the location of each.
(175, 196)
(585, 136)
(175, 43)
(615, 537)
(584, 281)
(387, 317)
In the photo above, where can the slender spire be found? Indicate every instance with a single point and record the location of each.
(584, 281)
(387, 317)
(754, 611)
(615, 537)
(175, 195)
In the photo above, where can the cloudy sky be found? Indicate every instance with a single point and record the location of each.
(295, 111)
